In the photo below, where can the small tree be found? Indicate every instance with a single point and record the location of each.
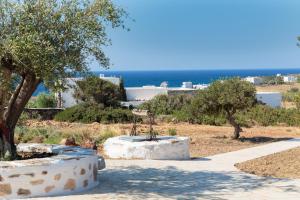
(99, 91)
(226, 97)
(46, 41)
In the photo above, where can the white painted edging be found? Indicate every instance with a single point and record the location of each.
(176, 148)
(73, 170)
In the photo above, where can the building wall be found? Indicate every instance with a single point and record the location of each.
(272, 99)
(289, 79)
(144, 93)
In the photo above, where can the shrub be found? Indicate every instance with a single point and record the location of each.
(172, 131)
(166, 105)
(98, 91)
(267, 116)
(88, 113)
(43, 100)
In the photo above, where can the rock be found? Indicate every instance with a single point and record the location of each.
(89, 144)
(68, 142)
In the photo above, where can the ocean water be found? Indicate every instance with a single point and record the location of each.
(175, 78)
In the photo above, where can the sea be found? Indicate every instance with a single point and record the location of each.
(176, 77)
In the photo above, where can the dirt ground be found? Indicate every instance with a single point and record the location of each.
(204, 140)
(285, 164)
(277, 88)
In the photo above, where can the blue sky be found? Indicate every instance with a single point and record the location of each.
(206, 34)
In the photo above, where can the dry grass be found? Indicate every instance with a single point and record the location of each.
(285, 164)
(205, 140)
(277, 88)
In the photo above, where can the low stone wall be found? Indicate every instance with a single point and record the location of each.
(42, 113)
(73, 169)
(167, 148)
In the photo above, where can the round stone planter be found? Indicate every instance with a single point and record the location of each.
(72, 170)
(137, 147)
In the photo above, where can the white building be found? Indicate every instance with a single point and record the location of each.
(290, 79)
(144, 93)
(254, 80)
(272, 99)
(187, 84)
(67, 97)
(112, 79)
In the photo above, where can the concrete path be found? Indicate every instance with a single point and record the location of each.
(212, 177)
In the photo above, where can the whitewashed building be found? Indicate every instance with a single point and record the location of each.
(255, 80)
(144, 93)
(290, 79)
(113, 79)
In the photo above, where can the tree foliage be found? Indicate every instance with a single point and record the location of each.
(46, 41)
(98, 91)
(225, 97)
(167, 104)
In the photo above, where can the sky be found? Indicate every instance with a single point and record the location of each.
(206, 34)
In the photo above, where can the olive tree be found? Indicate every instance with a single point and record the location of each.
(47, 41)
(226, 97)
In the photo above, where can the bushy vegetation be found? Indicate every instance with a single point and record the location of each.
(51, 136)
(88, 113)
(272, 80)
(98, 91)
(172, 132)
(166, 105)
(43, 100)
(290, 95)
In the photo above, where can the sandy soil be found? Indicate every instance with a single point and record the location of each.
(277, 88)
(285, 164)
(205, 140)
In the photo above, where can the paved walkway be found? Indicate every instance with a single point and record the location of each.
(212, 177)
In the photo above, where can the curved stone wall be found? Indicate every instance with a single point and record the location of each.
(73, 169)
(167, 148)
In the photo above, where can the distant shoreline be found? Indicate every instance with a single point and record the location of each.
(176, 77)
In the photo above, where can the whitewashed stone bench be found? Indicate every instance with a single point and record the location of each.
(73, 169)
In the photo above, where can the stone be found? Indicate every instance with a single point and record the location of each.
(85, 183)
(89, 144)
(44, 172)
(70, 184)
(70, 142)
(57, 177)
(49, 188)
(23, 192)
(82, 171)
(5, 189)
(37, 182)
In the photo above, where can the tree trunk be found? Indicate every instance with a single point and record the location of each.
(7, 146)
(12, 113)
(237, 127)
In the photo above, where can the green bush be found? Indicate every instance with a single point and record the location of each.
(88, 113)
(43, 100)
(172, 131)
(266, 116)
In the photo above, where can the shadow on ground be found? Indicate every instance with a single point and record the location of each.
(171, 182)
(258, 140)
